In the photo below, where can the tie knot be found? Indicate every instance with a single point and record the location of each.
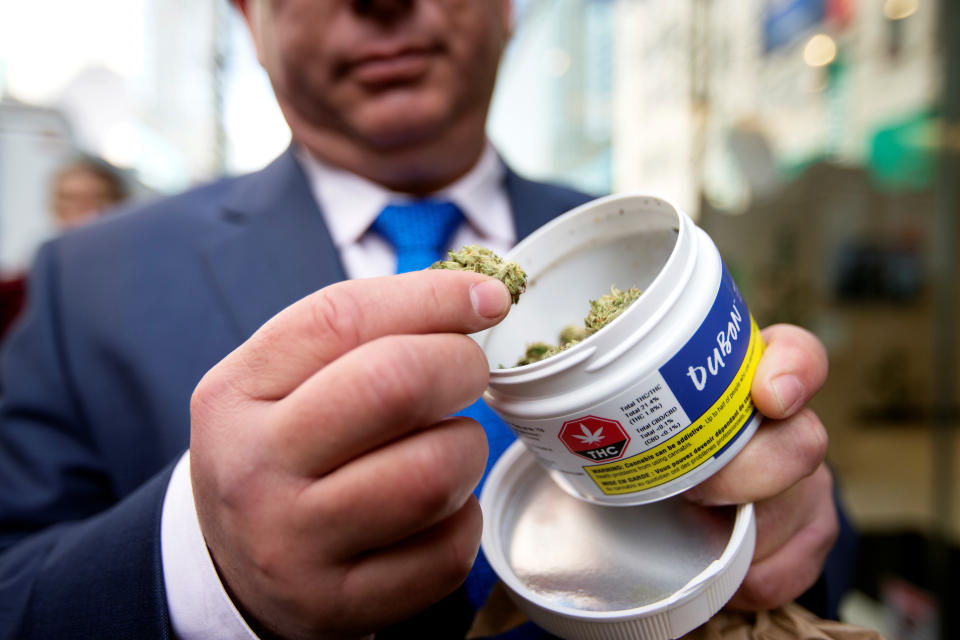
(419, 231)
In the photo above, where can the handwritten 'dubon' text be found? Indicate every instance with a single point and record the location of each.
(725, 339)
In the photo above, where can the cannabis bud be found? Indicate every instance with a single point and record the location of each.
(602, 312)
(572, 334)
(604, 309)
(535, 353)
(480, 260)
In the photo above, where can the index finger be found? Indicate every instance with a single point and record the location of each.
(314, 331)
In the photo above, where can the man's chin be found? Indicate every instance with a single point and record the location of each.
(400, 122)
(411, 137)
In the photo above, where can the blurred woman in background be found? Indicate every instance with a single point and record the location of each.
(81, 191)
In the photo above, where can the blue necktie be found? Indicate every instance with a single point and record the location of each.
(420, 231)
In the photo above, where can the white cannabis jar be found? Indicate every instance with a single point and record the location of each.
(659, 399)
(583, 571)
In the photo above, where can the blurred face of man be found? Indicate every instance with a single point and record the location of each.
(381, 78)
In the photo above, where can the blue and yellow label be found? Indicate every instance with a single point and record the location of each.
(706, 385)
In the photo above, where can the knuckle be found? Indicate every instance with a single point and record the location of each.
(397, 375)
(336, 313)
(435, 480)
(214, 398)
(762, 590)
(824, 479)
(760, 593)
(827, 529)
(826, 525)
(220, 391)
(403, 371)
(471, 357)
(201, 401)
(437, 298)
(448, 467)
(332, 506)
(812, 440)
(460, 549)
(455, 563)
(755, 593)
(205, 398)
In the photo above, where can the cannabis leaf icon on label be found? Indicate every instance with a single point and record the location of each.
(588, 436)
(593, 438)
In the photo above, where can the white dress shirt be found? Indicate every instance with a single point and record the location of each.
(350, 204)
(199, 606)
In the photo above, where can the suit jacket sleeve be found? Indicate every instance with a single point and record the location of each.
(76, 559)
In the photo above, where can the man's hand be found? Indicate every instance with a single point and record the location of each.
(333, 494)
(782, 470)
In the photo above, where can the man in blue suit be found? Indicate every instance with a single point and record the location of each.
(216, 422)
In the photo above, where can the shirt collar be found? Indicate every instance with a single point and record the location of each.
(350, 203)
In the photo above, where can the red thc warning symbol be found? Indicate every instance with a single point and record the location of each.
(593, 438)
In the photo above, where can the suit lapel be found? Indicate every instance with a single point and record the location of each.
(534, 203)
(274, 248)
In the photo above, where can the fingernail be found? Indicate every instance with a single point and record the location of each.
(789, 391)
(490, 298)
(694, 495)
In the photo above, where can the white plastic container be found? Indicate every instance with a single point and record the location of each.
(659, 399)
(583, 571)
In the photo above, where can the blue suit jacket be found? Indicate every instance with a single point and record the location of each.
(123, 319)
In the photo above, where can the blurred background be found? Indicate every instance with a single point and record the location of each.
(815, 140)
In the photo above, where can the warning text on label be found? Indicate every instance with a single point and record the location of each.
(689, 448)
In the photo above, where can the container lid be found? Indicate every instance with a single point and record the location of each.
(581, 570)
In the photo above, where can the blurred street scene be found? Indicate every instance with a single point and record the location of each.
(816, 141)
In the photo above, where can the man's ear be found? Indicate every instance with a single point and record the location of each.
(251, 11)
(509, 18)
(242, 7)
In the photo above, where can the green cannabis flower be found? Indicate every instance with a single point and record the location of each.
(541, 351)
(604, 309)
(481, 260)
(572, 334)
(569, 336)
(602, 312)
(535, 353)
